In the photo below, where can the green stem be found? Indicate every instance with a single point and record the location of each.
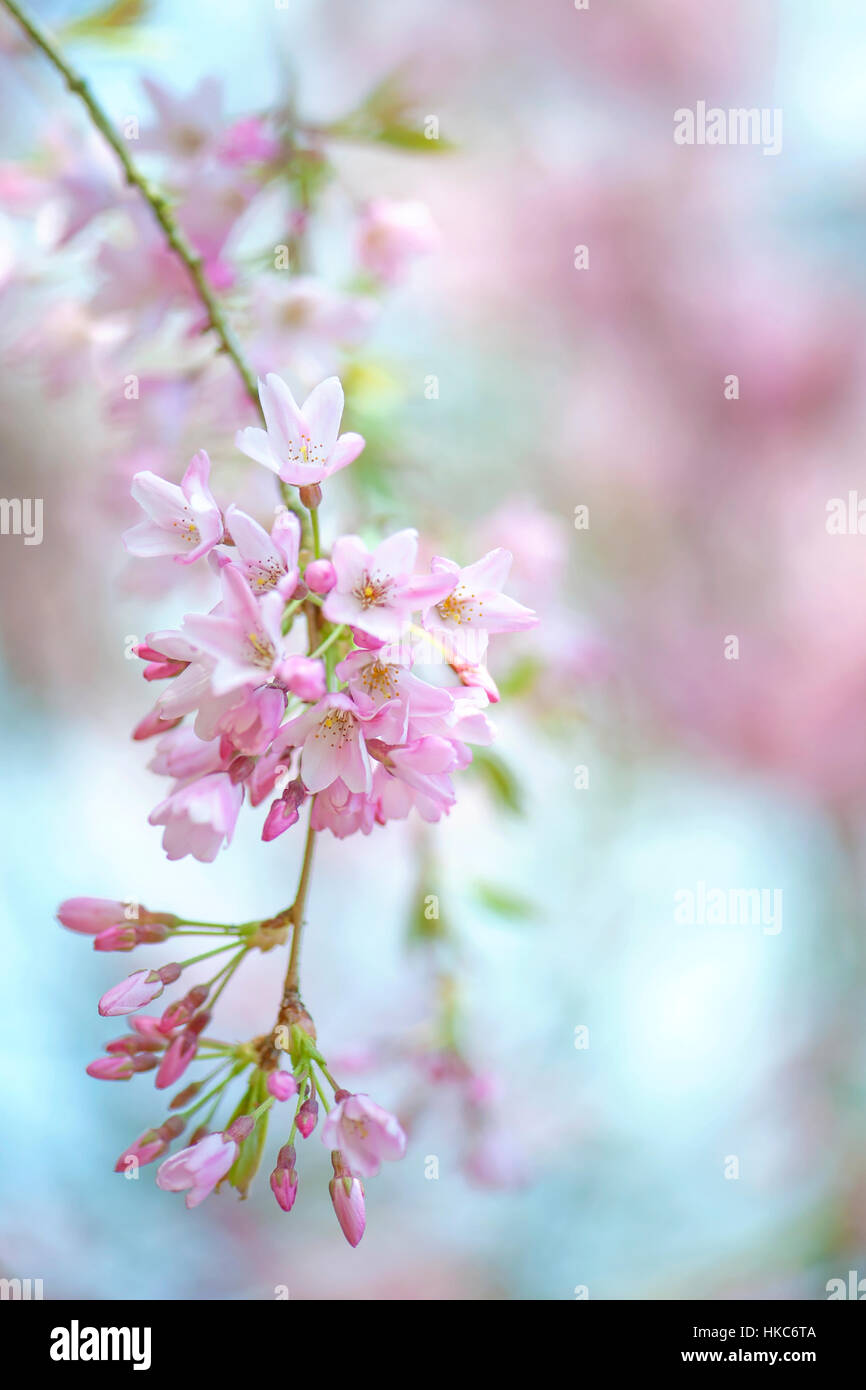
(328, 1077)
(318, 1085)
(227, 974)
(289, 613)
(296, 911)
(194, 960)
(314, 522)
(332, 637)
(239, 1067)
(157, 201)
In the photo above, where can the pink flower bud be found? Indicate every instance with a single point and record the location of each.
(284, 1185)
(180, 1053)
(307, 1117)
(151, 725)
(282, 814)
(241, 768)
(184, 1097)
(241, 1128)
(304, 676)
(479, 676)
(178, 1014)
(366, 641)
(150, 1145)
(287, 1157)
(148, 1027)
(125, 937)
(144, 1061)
(347, 1195)
(282, 1085)
(320, 576)
(91, 915)
(117, 938)
(132, 1043)
(116, 1068)
(163, 670)
(146, 653)
(131, 994)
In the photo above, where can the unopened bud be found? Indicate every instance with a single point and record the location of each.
(311, 496)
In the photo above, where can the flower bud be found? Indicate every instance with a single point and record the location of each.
(320, 576)
(284, 1185)
(180, 1053)
(347, 1196)
(241, 1128)
(91, 915)
(116, 1068)
(310, 495)
(151, 725)
(307, 1117)
(240, 769)
(139, 989)
(116, 938)
(282, 1085)
(283, 813)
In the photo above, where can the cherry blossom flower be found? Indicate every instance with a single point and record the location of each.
(248, 142)
(343, 812)
(364, 1133)
(184, 521)
(198, 1169)
(249, 719)
(331, 738)
(187, 126)
(391, 234)
(475, 604)
(376, 590)
(302, 445)
(267, 561)
(199, 817)
(380, 676)
(242, 636)
(303, 319)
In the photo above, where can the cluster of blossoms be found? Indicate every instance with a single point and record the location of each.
(359, 1133)
(316, 678)
(339, 712)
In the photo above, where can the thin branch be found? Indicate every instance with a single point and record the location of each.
(191, 258)
(157, 202)
(296, 911)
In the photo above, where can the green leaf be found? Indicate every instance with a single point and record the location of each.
(408, 138)
(110, 22)
(521, 678)
(513, 906)
(500, 781)
(388, 116)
